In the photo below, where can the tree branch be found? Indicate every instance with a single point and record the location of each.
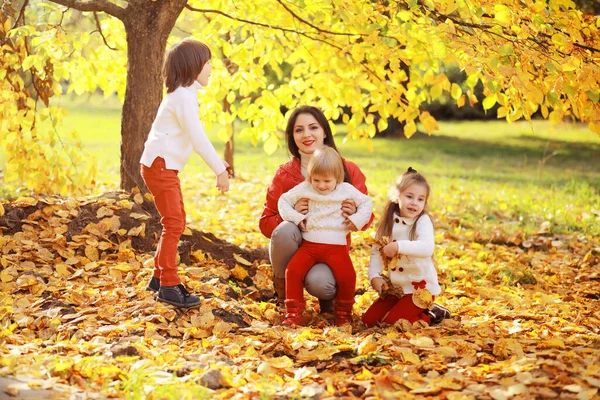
(93, 6)
(21, 15)
(100, 31)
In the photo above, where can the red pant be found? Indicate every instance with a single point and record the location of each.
(334, 255)
(391, 308)
(164, 185)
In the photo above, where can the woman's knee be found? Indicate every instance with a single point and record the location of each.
(285, 240)
(285, 233)
(320, 282)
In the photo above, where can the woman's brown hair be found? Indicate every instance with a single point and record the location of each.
(386, 222)
(183, 63)
(322, 121)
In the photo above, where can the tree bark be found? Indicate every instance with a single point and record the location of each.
(147, 26)
(229, 146)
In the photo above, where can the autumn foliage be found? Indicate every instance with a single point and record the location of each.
(76, 316)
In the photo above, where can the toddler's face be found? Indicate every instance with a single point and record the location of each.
(204, 74)
(412, 201)
(323, 183)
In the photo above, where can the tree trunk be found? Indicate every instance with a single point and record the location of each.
(147, 26)
(229, 146)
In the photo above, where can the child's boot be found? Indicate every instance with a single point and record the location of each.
(343, 311)
(293, 312)
(279, 287)
(153, 285)
(437, 314)
(177, 296)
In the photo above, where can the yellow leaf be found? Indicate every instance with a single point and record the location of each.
(104, 212)
(239, 273)
(410, 128)
(502, 14)
(571, 64)
(553, 343)
(1, 210)
(456, 92)
(489, 102)
(367, 345)
(91, 252)
(138, 198)
(242, 260)
(138, 231)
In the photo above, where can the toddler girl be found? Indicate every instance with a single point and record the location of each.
(324, 231)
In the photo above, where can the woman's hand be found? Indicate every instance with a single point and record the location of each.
(223, 181)
(301, 206)
(379, 284)
(348, 208)
(302, 225)
(350, 225)
(390, 249)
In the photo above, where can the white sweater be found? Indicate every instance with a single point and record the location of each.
(177, 130)
(324, 220)
(416, 264)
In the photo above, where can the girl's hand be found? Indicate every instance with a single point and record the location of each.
(348, 208)
(301, 206)
(302, 225)
(350, 225)
(390, 249)
(379, 284)
(223, 181)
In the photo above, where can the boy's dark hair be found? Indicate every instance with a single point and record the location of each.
(183, 63)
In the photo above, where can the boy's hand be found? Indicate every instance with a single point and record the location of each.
(302, 225)
(223, 181)
(390, 249)
(379, 284)
(301, 206)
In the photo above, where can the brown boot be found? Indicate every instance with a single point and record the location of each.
(325, 306)
(279, 287)
(343, 311)
(293, 312)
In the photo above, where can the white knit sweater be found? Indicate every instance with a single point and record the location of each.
(416, 264)
(324, 220)
(177, 131)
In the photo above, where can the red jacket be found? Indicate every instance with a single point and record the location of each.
(289, 175)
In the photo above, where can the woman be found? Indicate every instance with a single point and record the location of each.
(307, 130)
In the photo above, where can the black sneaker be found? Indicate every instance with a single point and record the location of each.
(153, 285)
(177, 296)
(437, 314)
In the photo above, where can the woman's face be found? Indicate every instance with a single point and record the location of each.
(308, 134)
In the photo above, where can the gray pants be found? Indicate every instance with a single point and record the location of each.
(285, 240)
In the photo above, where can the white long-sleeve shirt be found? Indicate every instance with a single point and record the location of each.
(324, 220)
(177, 131)
(415, 267)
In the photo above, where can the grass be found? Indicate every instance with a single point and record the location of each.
(488, 176)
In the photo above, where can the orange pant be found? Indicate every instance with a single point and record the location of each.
(391, 308)
(164, 185)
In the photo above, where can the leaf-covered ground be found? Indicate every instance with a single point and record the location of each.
(76, 318)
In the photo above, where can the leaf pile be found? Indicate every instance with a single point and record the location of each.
(76, 318)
